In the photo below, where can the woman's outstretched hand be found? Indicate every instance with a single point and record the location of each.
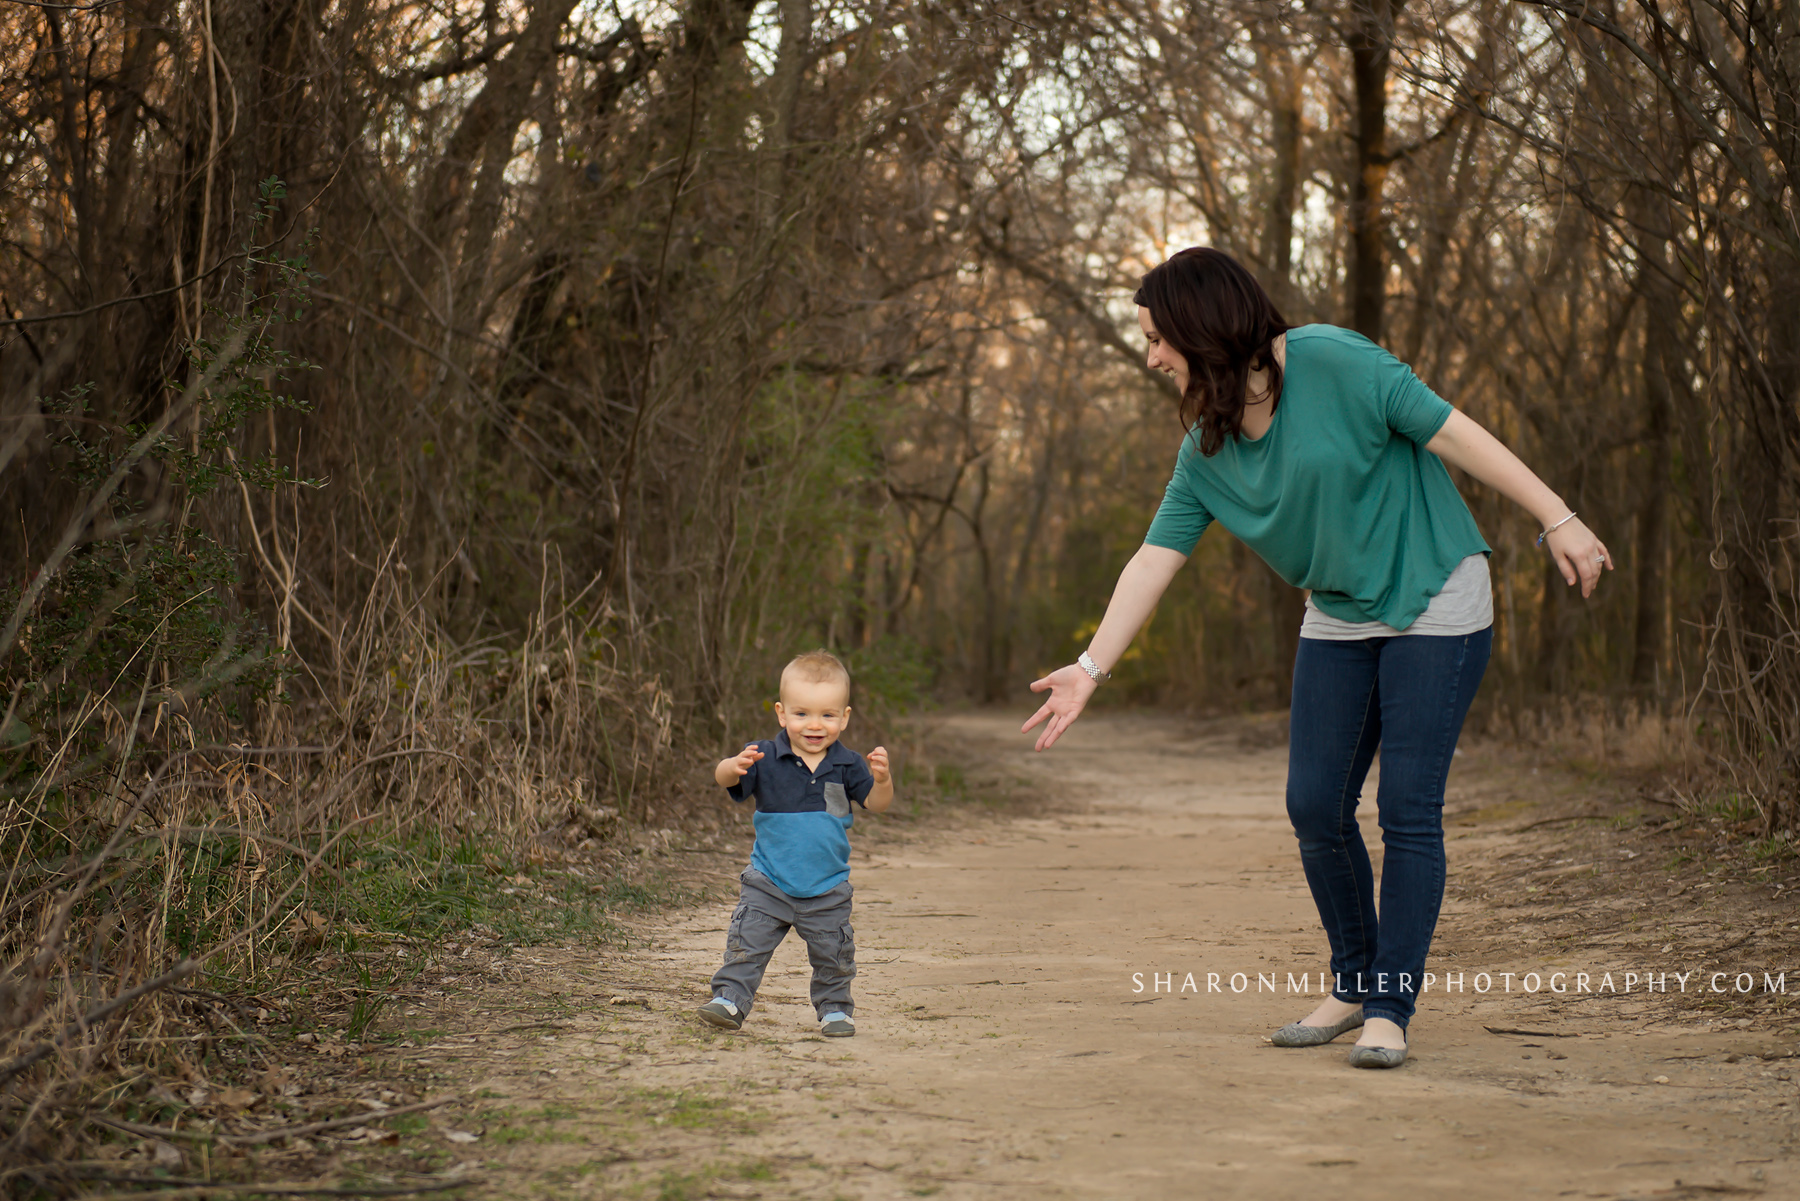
(1069, 689)
(1579, 555)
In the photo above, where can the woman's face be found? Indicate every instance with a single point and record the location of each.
(1163, 357)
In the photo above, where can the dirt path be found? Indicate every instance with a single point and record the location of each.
(1008, 1046)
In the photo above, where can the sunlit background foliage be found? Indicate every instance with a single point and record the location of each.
(446, 416)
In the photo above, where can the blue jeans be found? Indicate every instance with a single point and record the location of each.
(1408, 696)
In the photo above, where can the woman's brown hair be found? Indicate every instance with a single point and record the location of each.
(1216, 316)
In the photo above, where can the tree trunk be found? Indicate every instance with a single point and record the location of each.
(1281, 80)
(1662, 372)
(1281, 77)
(1370, 40)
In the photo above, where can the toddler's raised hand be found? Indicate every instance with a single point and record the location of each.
(878, 764)
(731, 770)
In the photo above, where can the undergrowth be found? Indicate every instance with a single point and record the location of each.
(196, 859)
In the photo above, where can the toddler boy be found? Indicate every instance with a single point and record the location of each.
(803, 780)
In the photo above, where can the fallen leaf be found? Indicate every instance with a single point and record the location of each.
(460, 1136)
(279, 1082)
(236, 1098)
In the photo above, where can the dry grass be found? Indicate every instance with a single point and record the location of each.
(399, 800)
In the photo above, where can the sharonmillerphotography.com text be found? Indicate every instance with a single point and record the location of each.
(1560, 982)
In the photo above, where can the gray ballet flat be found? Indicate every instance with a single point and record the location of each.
(1296, 1035)
(1377, 1057)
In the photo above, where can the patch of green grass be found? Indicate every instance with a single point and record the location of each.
(689, 1110)
(425, 888)
(389, 902)
(1503, 810)
(1734, 807)
(366, 1003)
(410, 1123)
(1780, 846)
(693, 1112)
(580, 1171)
(690, 1186)
(637, 895)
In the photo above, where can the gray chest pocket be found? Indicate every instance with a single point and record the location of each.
(837, 801)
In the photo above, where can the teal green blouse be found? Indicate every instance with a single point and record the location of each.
(1340, 495)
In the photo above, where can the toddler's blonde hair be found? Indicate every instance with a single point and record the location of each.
(817, 667)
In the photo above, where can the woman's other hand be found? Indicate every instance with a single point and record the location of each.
(1463, 444)
(1579, 555)
(1069, 688)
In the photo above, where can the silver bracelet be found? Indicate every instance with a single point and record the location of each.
(1559, 525)
(1088, 665)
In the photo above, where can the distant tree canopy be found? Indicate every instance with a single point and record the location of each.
(766, 324)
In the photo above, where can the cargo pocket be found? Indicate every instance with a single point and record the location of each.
(734, 935)
(846, 958)
(837, 801)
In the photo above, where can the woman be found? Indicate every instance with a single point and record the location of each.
(1325, 455)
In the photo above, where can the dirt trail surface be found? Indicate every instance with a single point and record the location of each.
(1011, 1041)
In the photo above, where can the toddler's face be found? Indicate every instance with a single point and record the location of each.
(813, 712)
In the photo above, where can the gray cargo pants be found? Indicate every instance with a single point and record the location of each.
(763, 917)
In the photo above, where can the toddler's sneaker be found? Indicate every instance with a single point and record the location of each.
(722, 1013)
(837, 1024)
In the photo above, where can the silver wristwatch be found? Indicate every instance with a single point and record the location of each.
(1092, 668)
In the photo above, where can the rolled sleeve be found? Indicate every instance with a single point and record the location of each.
(1182, 517)
(1410, 409)
(859, 781)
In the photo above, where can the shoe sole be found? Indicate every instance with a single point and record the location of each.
(1376, 1057)
(1296, 1035)
(719, 1020)
(838, 1033)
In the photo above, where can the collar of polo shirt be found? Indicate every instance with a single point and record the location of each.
(837, 752)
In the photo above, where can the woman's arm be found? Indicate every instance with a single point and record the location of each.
(1140, 586)
(1466, 446)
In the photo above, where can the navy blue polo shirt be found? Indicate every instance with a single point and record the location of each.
(803, 816)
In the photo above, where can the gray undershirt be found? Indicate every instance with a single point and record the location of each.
(1464, 606)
